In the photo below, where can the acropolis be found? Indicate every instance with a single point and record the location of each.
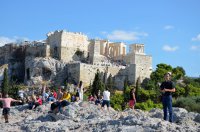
(71, 57)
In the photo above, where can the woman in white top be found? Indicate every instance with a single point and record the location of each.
(80, 90)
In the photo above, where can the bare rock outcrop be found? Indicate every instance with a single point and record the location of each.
(86, 116)
(40, 69)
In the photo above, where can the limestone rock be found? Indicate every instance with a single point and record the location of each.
(85, 116)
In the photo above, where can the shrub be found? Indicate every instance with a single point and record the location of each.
(148, 105)
(146, 95)
(189, 103)
(117, 101)
(180, 91)
(194, 91)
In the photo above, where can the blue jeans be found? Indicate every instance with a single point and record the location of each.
(167, 104)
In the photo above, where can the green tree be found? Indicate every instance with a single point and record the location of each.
(5, 83)
(180, 91)
(125, 88)
(178, 72)
(158, 74)
(150, 85)
(110, 84)
(97, 83)
(137, 88)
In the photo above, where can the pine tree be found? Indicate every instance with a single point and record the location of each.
(97, 84)
(5, 83)
(110, 84)
(125, 90)
(138, 83)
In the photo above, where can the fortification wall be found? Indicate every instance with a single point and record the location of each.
(74, 40)
(6, 51)
(42, 50)
(143, 66)
(64, 44)
(87, 72)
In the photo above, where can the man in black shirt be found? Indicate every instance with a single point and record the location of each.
(167, 87)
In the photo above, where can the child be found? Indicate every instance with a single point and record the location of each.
(6, 106)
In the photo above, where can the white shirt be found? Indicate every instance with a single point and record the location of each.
(106, 95)
(21, 94)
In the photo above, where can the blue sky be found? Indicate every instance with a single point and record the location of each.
(170, 29)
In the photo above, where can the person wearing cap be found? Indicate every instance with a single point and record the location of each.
(167, 88)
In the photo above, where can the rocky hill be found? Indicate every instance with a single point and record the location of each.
(85, 116)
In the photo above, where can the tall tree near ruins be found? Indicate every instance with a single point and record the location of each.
(126, 95)
(138, 83)
(5, 83)
(97, 84)
(110, 84)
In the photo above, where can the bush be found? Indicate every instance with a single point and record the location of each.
(117, 101)
(180, 91)
(148, 105)
(189, 103)
(194, 91)
(145, 95)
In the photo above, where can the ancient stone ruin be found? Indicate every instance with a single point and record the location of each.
(71, 57)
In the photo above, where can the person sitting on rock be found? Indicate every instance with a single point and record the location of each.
(60, 94)
(36, 101)
(31, 101)
(63, 104)
(55, 107)
(58, 106)
(54, 115)
(90, 98)
(51, 96)
(66, 95)
(6, 106)
(73, 98)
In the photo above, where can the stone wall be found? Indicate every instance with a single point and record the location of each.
(74, 40)
(6, 52)
(38, 50)
(143, 66)
(64, 44)
(54, 40)
(87, 72)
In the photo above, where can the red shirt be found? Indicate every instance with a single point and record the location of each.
(39, 101)
(55, 95)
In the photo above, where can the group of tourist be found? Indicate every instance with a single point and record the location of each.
(63, 98)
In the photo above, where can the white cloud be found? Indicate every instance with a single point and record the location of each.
(104, 32)
(5, 40)
(195, 48)
(124, 35)
(168, 27)
(170, 48)
(197, 38)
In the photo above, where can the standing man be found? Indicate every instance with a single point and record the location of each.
(106, 98)
(6, 106)
(167, 88)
